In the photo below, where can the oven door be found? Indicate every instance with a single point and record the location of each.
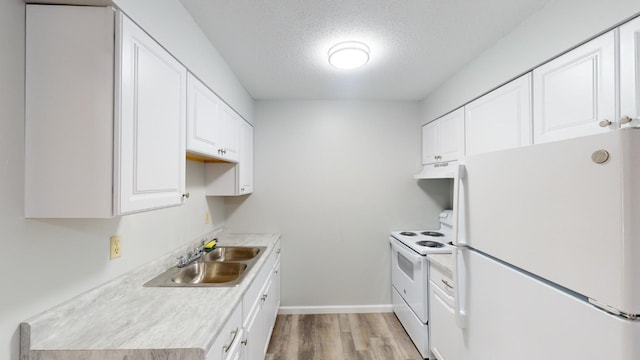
(409, 276)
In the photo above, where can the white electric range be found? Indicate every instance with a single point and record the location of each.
(410, 276)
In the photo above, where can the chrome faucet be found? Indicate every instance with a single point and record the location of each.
(192, 256)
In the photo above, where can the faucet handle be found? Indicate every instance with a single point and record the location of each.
(181, 261)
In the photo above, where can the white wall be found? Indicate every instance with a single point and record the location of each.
(169, 23)
(46, 262)
(559, 26)
(334, 178)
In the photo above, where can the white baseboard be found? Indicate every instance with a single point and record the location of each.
(346, 309)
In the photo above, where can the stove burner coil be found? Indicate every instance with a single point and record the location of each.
(431, 244)
(408, 233)
(432, 233)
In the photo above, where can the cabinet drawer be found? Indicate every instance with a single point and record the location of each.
(441, 279)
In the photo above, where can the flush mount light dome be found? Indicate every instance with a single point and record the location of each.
(348, 55)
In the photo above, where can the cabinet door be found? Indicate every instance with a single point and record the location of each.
(446, 338)
(252, 347)
(151, 123)
(575, 92)
(429, 151)
(272, 303)
(227, 345)
(265, 324)
(630, 72)
(203, 109)
(230, 123)
(450, 136)
(499, 120)
(245, 170)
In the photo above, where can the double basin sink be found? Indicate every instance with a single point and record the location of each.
(223, 266)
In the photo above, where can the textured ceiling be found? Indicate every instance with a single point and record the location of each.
(278, 48)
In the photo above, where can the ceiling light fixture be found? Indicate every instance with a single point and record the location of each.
(348, 55)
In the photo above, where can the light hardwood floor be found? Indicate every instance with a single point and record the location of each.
(340, 337)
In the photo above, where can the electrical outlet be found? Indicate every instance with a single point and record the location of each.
(115, 249)
(206, 217)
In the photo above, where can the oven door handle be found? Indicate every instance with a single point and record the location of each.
(410, 255)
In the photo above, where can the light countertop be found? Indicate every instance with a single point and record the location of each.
(124, 320)
(444, 261)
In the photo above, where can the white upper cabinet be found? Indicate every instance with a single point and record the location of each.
(630, 73)
(230, 124)
(500, 119)
(246, 159)
(152, 121)
(228, 179)
(443, 138)
(574, 94)
(105, 116)
(212, 126)
(202, 112)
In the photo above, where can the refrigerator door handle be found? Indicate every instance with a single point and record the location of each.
(460, 288)
(458, 175)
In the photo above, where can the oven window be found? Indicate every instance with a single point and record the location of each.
(405, 265)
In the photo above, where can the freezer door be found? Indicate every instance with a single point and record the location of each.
(565, 211)
(514, 316)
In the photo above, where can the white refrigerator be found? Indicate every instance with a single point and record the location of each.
(547, 251)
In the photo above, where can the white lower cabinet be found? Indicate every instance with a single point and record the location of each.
(246, 334)
(261, 308)
(228, 343)
(446, 338)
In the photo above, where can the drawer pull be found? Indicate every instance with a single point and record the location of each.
(446, 283)
(234, 333)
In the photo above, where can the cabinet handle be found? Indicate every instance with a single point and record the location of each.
(244, 342)
(278, 251)
(446, 283)
(624, 120)
(234, 333)
(263, 297)
(604, 123)
(185, 196)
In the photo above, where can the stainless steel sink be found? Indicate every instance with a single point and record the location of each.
(209, 272)
(232, 253)
(224, 266)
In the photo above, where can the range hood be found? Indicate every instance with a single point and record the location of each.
(443, 170)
